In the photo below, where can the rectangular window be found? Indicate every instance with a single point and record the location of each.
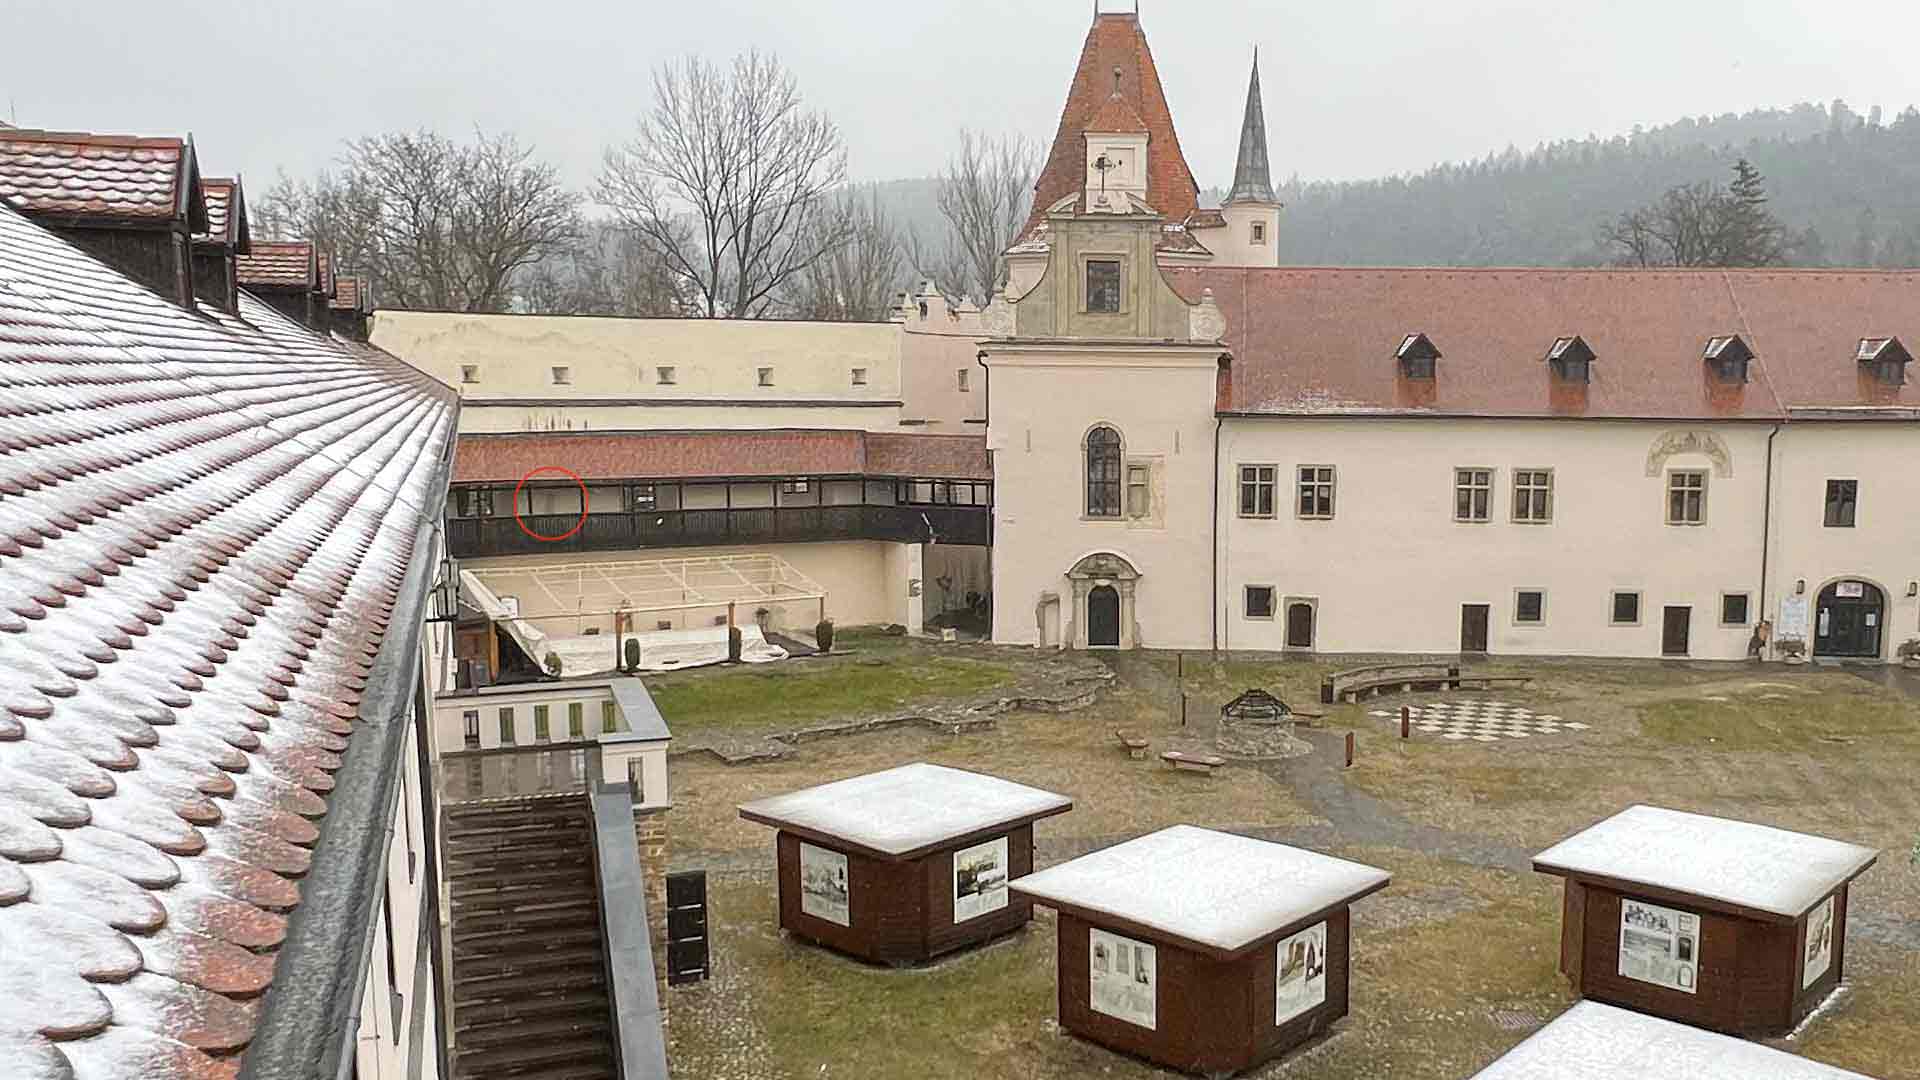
(562, 376)
(663, 375)
(469, 373)
(1259, 601)
(609, 717)
(962, 374)
(473, 502)
(1843, 496)
(1103, 285)
(1529, 607)
(765, 375)
(859, 376)
(1686, 498)
(1259, 232)
(576, 720)
(1533, 495)
(1626, 609)
(506, 727)
(1733, 609)
(1472, 494)
(470, 722)
(1316, 491)
(1256, 490)
(541, 732)
(642, 498)
(793, 487)
(1139, 491)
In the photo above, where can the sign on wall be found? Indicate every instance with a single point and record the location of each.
(1123, 983)
(979, 879)
(823, 884)
(1300, 973)
(1819, 944)
(1659, 945)
(1793, 619)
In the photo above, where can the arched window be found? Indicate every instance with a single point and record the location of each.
(1103, 472)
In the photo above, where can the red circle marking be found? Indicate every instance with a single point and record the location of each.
(570, 474)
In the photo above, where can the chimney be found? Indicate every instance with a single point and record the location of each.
(216, 251)
(131, 202)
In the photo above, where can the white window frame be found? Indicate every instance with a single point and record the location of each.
(1538, 491)
(1129, 470)
(1273, 603)
(1331, 484)
(1271, 482)
(1639, 606)
(1722, 615)
(1673, 475)
(1530, 623)
(961, 375)
(1463, 481)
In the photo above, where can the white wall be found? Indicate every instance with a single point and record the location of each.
(1160, 398)
(383, 1049)
(1391, 570)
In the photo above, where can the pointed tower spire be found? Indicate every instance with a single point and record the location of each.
(1251, 182)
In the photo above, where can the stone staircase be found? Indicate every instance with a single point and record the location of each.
(529, 976)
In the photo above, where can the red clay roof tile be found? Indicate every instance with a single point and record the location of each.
(206, 523)
(112, 177)
(280, 264)
(1318, 341)
(1116, 41)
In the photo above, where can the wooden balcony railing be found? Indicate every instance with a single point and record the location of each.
(479, 537)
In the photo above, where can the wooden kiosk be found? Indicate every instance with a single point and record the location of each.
(1721, 924)
(897, 867)
(1201, 950)
(1592, 1041)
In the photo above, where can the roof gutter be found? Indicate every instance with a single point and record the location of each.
(310, 1022)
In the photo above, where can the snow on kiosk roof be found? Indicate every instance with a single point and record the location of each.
(1592, 1041)
(901, 812)
(1217, 891)
(1757, 868)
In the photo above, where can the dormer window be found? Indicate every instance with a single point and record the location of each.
(1727, 357)
(1886, 359)
(1571, 359)
(1416, 355)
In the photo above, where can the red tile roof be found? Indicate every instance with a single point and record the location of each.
(203, 528)
(1316, 341)
(1116, 41)
(226, 213)
(663, 455)
(327, 285)
(116, 178)
(349, 292)
(280, 264)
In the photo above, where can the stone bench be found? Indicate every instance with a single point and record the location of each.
(1134, 745)
(1345, 686)
(1205, 763)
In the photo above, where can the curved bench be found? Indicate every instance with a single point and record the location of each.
(1353, 684)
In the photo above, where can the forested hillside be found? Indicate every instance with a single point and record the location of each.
(1847, 185)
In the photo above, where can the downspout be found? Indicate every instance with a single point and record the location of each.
(986, 394)
(1766, 523)
(1213, 601)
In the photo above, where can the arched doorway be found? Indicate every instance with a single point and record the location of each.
(1848, 620)
(1103, 616)
(1103, 602)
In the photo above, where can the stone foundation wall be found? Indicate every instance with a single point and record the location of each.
(650, 832)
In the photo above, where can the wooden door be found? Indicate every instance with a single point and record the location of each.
(1299, 625)
(687, 955)
(1674, 630)
(1103, 616)
(1473, 628)
(1847, 620)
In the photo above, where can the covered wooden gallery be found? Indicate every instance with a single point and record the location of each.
(900, 866)
(1592, 1041)
(1202, 950)
(1722, 924)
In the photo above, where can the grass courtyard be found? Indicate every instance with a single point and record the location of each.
(1452, 965)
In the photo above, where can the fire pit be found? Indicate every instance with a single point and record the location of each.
(1258, 725)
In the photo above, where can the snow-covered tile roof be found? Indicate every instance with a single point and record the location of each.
(908, 808)
(1735, 862)
(1217, 889)
(1592, 1041)
(204, 525)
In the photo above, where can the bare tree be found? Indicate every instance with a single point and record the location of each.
(609, 271)
(1702, 224)
(726, 177)
(437, 224)
(855, 281)
(984, 196)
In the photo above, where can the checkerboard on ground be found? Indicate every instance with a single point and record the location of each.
(1480, 721)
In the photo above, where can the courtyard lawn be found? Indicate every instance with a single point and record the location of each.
(1452, 965)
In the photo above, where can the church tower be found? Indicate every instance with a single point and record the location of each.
(1251, 209)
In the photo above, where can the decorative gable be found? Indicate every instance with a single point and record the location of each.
(1886, 357)
(1728, 357)
(1416, 355)
(1571, 359)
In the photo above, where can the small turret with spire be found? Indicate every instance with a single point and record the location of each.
(1251, 182)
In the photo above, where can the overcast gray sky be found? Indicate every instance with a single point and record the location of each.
(1353, 89)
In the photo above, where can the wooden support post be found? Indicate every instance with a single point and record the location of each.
(1349, 749)
(1183, 708)
(1406, 720)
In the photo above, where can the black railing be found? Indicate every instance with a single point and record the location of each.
(479, 537)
